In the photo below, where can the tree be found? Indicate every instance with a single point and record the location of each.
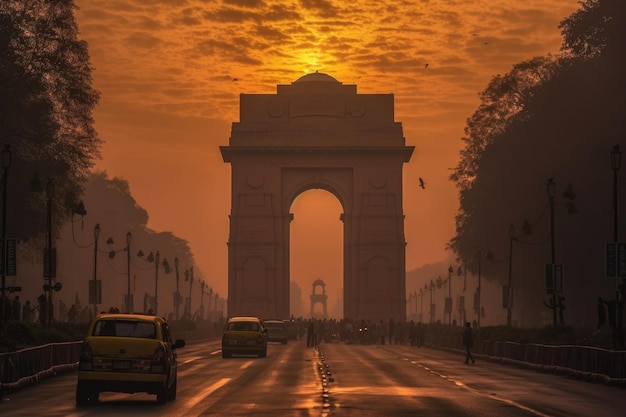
(46, 117)
(553, 118)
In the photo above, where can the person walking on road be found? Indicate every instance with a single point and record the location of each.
(468, 342)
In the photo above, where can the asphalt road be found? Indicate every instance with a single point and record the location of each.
(337, 380)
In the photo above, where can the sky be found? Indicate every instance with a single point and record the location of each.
(170, 73)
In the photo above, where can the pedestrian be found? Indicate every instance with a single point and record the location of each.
(17, 308)
(27, 312)
(310, 334)
(468, 342)
(71, 315)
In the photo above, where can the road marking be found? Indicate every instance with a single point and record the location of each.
(215, 352)
(245, 365)
(208, 391)
(462, 385)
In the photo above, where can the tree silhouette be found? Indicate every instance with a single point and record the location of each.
(549, 117)
(45, 111)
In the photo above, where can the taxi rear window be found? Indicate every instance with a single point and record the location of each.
(125, 328)
(243, 326)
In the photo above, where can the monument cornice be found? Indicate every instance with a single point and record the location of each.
(229, 151)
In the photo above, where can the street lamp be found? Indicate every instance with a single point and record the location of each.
(94, 292)
(50, 267)
(449, 300)
(509, 292)
(129, 301)
(156, 284)
(551, 189)
(616, 161)
(431, 313)
(177, 295)
(6, 163)
(477, 296)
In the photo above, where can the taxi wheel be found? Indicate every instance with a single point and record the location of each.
(162, 395)
(263, 353)
(172, 391)
(226, 354)
(84, 396)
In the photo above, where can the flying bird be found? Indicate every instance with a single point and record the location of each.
(425, 65)
(422, 184)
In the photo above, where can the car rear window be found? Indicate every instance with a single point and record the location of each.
(275, 325)
(125, 328)
(243, 326)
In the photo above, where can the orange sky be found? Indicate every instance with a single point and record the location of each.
(170, 73)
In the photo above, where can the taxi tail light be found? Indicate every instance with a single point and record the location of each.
(86, 357)
(158, 361)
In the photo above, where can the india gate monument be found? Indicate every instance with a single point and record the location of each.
(317, 133)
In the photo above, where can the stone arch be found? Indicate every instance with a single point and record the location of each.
(317, 133)
(319, 298)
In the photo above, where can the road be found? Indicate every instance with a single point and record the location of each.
(337, 380)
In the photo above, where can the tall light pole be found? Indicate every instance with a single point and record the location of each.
(177, 296)
(479, 288)
(509, 293)
(551, 189)
(432, 287)
(190, 285)
(156, 283)
(6, 163)
(50, 267)
(449, 301)
(616, 161)
(129, 301)
(96, 235)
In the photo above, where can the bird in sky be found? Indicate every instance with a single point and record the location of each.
(425, 65)
(422, 184)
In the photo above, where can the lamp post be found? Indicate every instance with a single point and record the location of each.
(479, 288)
(51, 264)
(129, 301)
(177, 296)
(509, 293)
(449, 301)
(156, 283)
(551, 189)
(431, 315)
(96, 235)
(616, 161)
(190, 285)
(6, 163)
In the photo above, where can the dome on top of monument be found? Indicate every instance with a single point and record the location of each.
(316, 76)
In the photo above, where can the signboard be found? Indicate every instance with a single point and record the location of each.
(11, 269)
(554, 278)
(95, 292)
(507, 297)
(615, 260)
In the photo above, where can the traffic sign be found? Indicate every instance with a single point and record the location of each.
(11, 269)
(554, 278)
(615, 260)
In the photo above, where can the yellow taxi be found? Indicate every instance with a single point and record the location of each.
(127, 353)
(244, 336)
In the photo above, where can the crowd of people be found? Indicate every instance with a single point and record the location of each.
(14, 310)
(359, 331)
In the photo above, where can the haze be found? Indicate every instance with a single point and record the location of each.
(170, 75)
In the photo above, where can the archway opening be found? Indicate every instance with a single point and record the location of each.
(316, 252)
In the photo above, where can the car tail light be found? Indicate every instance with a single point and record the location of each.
(86, 358)
(158, 361)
